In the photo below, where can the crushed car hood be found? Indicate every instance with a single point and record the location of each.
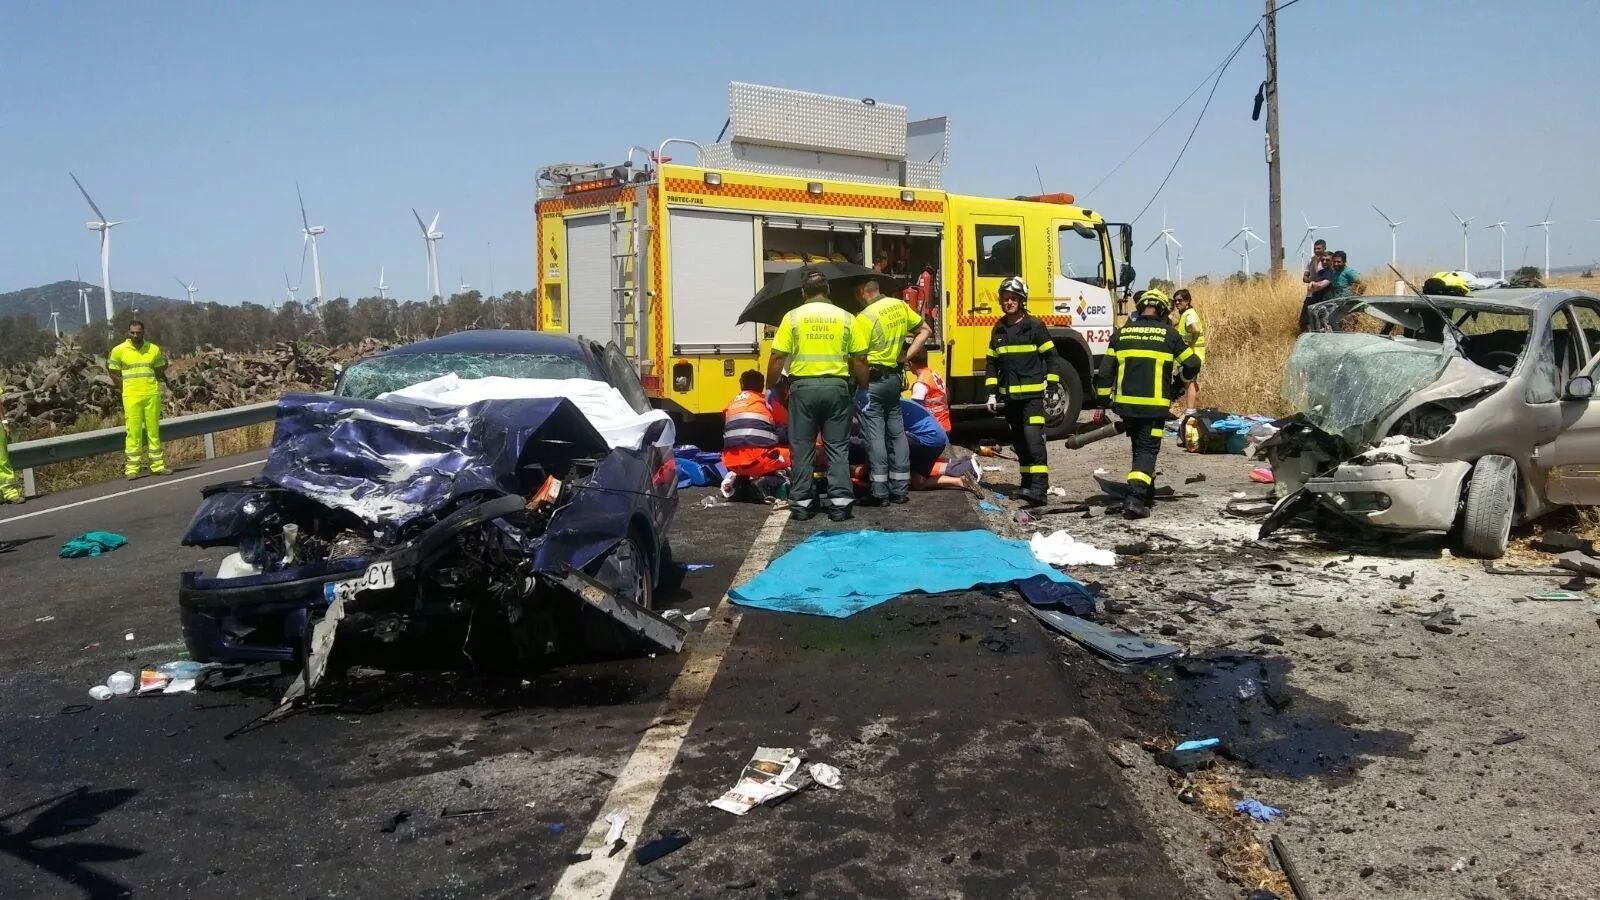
(1346, 383)
(391, 462)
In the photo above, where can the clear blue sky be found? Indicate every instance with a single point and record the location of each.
(194, 119)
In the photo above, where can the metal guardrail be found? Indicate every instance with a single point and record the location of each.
(28, 455)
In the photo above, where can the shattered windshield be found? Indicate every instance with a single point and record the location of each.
(379, 375)
(1343, 382)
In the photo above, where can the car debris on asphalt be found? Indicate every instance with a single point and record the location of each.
(1121, 646)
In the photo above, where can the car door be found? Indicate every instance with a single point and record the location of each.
(1570, 463)
(621, 375)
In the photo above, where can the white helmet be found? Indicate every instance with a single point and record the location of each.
(1015, 285)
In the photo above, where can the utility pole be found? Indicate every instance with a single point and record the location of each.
(1274, 154)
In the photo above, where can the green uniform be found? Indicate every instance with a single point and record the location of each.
(141, 403)
(819, 338)
(884, 325)
(10, 491)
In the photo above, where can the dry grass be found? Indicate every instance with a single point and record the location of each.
(108, 467)
(1250, 329)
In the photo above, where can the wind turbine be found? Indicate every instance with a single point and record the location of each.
(311, 232)
(1546, 226)
(1311, 232)
(55, 322)
(1393, 228)
(463, 287)
(190, 288)
(1248, 235)
(1502, 227)
(1466, 264)
(104, 227)
(83, 297)
(1165, 236)
(289, 288)
(431, 235)
(382, 286)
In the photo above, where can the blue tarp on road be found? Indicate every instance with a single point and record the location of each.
(840, 573)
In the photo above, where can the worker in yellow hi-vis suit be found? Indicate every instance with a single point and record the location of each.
(10, 492)
(140, 367)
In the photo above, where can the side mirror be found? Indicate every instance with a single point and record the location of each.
(1580, 388)
(1127, 245)
(1126, 276)
(1085, 231)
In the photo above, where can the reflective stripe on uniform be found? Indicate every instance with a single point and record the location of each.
(1160, 358)
(1036, 420)
(1015, 348)
(1012, 389)
(1157, 432)
(1034, 470)
(1047, 346)
(1140, 477)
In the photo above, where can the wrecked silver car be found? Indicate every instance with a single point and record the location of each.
(1444, 414)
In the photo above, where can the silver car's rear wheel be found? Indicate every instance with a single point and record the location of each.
(1491, 505)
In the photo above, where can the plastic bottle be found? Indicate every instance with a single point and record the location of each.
(121, 683)
(100, 692)
(1247, 689)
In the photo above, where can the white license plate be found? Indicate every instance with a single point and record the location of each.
(378, 577)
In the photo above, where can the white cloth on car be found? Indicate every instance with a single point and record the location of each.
(603, 405)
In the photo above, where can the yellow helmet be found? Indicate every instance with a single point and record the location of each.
(1448, 283)
(1158, 299)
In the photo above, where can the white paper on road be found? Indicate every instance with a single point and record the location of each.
(768, 776)
(600, 403)
(1062, 549)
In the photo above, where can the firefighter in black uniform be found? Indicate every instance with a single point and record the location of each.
(1022, 361)
(1146, 366)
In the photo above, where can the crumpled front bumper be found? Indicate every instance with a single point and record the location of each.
(1393, 489)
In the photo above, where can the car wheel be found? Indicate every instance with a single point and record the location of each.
(1063, 401)
(625, 569)
(1491, 503)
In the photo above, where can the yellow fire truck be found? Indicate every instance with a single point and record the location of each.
(660, 257)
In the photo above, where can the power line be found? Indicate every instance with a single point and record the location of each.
(1198, 119)
(1177, 109)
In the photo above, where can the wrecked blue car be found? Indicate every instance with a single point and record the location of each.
(510, 523)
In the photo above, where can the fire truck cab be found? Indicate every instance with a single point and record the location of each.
(660, 257)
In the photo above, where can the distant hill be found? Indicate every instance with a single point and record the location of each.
(62, 296)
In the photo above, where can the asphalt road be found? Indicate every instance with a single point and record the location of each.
(967, 772)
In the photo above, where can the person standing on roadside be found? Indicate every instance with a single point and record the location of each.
(1335, 283)
(883, 325)
(824, 354)
(1022, 362)
(10, 492)
(1313, 273)
(140, 368)
(1194, 335)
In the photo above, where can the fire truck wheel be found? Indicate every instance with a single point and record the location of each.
(1063, 401)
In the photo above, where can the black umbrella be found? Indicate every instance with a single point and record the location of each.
(783, 293)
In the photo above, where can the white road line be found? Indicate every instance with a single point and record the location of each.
(640, 781)
(160, 483)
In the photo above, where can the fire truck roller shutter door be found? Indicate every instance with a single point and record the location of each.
(713, 278)
(589, 277)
